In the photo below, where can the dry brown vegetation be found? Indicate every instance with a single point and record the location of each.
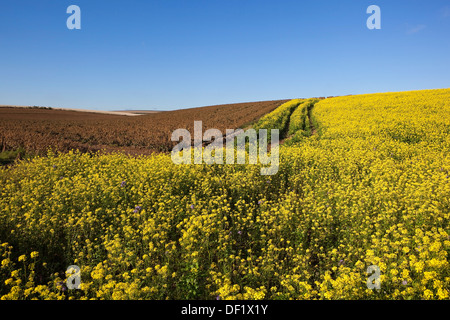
(37, 129)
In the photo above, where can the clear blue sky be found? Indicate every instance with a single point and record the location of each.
(170, 54)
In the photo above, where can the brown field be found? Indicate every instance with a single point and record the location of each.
(37, 129)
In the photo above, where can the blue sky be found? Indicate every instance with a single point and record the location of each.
(171, 54)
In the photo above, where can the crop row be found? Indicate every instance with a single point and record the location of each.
(279, 118)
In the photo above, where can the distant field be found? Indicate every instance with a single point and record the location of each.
(36, 129)
(121, 113)
(137, 112)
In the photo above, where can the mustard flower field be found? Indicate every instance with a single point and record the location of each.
(363, 180)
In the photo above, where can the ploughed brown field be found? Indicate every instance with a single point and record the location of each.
(36, 129)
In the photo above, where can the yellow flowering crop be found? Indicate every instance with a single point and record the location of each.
(370, 186)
